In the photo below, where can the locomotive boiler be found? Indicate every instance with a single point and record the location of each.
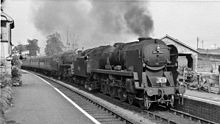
(143, 71)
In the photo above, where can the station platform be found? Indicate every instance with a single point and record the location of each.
(209, 98)
(36, 102)
(201, 104)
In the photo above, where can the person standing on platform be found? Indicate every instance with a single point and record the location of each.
(16, 72)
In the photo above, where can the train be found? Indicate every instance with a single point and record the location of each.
(142, 71)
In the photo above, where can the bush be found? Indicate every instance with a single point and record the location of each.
(6, 94)
(16, 61)
(5, 80)
(16, 76)
(6, 98)
(15, 72)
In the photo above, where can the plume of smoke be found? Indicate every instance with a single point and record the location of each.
(2, 4)
(94, 21)
(138, 22)
(2, 1)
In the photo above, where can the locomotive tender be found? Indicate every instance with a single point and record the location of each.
(144, 71)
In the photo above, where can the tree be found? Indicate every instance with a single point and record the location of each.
(19, 48)
(32, 47)
(54, 44)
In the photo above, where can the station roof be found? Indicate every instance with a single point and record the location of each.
(180, 43)
(7, 18)
(209, 51)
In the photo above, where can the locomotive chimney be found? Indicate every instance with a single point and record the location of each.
(79, 52)
(144, 38)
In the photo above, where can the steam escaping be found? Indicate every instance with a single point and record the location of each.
(93, 22)
(2, 4)
(138, 22)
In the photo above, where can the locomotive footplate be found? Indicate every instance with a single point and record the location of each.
(113, 72)
(160, 91)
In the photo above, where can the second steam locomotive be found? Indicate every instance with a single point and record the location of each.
(144, 71)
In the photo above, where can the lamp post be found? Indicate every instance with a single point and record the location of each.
(218, 79)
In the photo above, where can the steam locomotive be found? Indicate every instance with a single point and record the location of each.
(144, 71)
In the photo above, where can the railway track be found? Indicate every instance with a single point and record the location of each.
(163, 115)
(106, 115)
(102, 114)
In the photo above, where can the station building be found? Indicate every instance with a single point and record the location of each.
(188, 57)
(209, 60)
(7, 23)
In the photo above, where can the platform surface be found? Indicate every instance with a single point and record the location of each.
(35, 102)
(202, 96)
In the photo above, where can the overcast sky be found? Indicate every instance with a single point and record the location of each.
(183, 20)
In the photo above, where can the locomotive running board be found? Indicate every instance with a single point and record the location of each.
(113, 72)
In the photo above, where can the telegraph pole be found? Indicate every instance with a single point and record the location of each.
(202, 44)
(67, 38)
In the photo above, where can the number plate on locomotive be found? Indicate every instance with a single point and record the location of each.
(161, 80)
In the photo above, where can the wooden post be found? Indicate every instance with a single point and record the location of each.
(219, 83)
(218, 79)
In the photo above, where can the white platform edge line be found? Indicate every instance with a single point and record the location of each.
(84, 112)
(68, 99)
